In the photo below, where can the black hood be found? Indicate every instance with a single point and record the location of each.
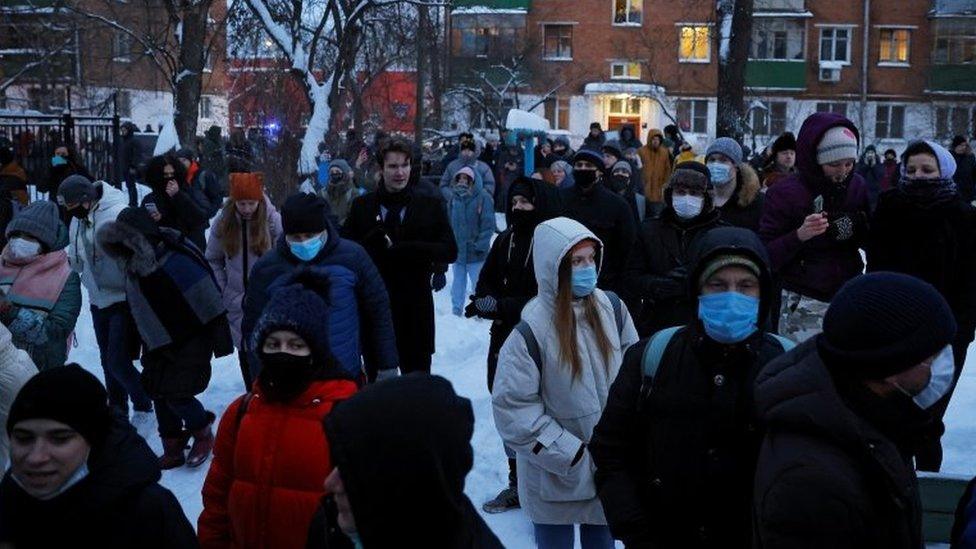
(122, 465)
(403, 449)
(548, 201)
(731, 240)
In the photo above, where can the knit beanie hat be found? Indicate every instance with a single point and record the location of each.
(595, 126)
(185, 153)
(728, 147)
(247, 186)
(622, 165)
(140, 220)
(76, 189)
(947, 162)
(613, 147)
(40, 220)
(883, 323)
(341, 165)
(466, 171)
(957, 140)
(69, 395)
(298, 306)
(591, 156)
(303, 213)
(837, 143)
(523, 186)
(720, 262)
(691, 174)
(785, 142)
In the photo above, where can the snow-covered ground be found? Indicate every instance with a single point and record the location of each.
(462, 347)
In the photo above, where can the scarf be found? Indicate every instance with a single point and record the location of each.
(928, 193)
(34, 282)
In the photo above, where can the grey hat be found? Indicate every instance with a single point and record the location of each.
(76, 189)
(186, 153)
(40, 220)
(728, 147)
(622, 165)
(341, 164)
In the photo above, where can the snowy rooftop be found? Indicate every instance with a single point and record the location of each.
(484, 10)
(954, 7)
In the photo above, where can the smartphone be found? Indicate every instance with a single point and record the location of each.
(818, 205)
(151, 208)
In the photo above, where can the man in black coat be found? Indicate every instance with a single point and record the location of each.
(591, 203)
(965, 176)
(406, 234)
(203, 180)
(80, 475)
(131, 160)
(844, 414)
(655, 280)
(676, 451)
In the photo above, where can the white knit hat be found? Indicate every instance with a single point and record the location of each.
(838, 143)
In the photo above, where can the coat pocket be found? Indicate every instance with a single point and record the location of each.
(576, 485)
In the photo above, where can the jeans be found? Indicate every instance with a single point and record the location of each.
(115, 333)
(561, 536)
(176, 414)
(459, 287)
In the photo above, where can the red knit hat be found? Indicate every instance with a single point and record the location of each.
(247, 186)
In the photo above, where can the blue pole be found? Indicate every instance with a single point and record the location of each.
(529, 155)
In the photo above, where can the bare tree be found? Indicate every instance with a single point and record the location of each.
(734, 38)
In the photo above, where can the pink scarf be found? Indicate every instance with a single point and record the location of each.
(34, 282)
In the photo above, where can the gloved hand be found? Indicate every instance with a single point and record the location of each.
(438, 281)
(484, 307)
(388, 373)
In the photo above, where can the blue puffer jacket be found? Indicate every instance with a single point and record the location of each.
(360, 324)
(473, 221)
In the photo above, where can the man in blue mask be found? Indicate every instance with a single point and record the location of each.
(676, 446)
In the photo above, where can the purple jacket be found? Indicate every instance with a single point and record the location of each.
(230, 270)
(818, 267)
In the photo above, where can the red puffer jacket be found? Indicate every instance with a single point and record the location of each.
(265, 481)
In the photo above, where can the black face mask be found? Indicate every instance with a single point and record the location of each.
(619, 183)
(896, 416)
(522, 219)
(584, 178)
(285, 376)
(79, 212)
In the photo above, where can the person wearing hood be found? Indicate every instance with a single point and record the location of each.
(64, 163)
(871, 169)
(173, 202)
(611, 153)
(340, 190)
(656, 277)
(561, 150)
(80, 475)
(407, 234)
(360, 324)
(738, 195)
(246, 229)
(621, 176)
(628, 138)
(687, 154)
(593, 204)
(691, 386)
(595, 139)
(844, 413)
(507, 282)
(509, 169)
(562, 174)
(239, 153)
(40, 295)
(965, 176)
(923, 228)
(16, 368)
(673, 139)
(213, 158)
(543, 155)
(130, 160)
(553, 379)
(206, 182)
(892, 170)
(412, 493)
(271, 456)
(472, 214)
(782, 160)
(182, 322)
(656, 165)
(815, 221)
(13, 183)
(91, 206)
(468, 157)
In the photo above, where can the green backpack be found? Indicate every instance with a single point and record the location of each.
(654, 351)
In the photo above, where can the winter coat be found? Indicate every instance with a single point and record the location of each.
(340, 198)
(818, 267)
(208, 185)
(482, 172)
(119, 505)
(965, 176)
(541, 411)
(130, 154)
(270, 460)
(102, 276)
(937, 245)
(424, 238)
(188, 211)
(675, 460)
(655, 278)
(13, 180)
(611, 220)
(872, 175)
(16, 368)
(57, 174)
(825, 476)
(892, 173)
(212, 153)
(234, 273)
(594, 142)
(628, 138)
(656, 166)
(744, 208)
(473, 222)
(361, 329)
(772, 175)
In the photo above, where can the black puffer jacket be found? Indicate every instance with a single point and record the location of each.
(119, 505)
(675, 456)
(825, 476)
(611, 220)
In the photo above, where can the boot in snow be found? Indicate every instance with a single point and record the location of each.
(173, 448)
(203, 442)
(506, 500)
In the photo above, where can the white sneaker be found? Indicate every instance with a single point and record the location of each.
(144, 423)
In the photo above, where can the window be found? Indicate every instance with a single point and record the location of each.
(693, 116)
(836, 108)
(627, 12)
(890, 122)
(835, 44)
(951, 121)
(894, 46)
(123, 103)
(625, 70)
(558, 42)
(694, 44)
(771, 120)
(485, 41)
(239, 119)
(955, 42)
(206, 107)
(122, 48)
(625, 107)
(777, 39)
(474, 42)
(557, 112)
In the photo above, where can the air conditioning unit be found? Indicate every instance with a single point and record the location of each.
(830, 75)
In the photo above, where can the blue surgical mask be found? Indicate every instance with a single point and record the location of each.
(729, 317)
(57, 160)
(943, 370)
(306, 250)
(584, 280)
(720, 172)
(687, 206)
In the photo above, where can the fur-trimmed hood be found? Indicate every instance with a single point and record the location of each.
(749, 185)
(126, 244)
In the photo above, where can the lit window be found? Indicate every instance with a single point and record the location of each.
(625, 106)
(557, 112)
(889, 122)
(894, 46)
(627, 12)
(558, 42)
(693, 116)
(694, 45)
(625, 70)
(835, 44)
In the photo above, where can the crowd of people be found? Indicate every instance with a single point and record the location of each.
(684, 350)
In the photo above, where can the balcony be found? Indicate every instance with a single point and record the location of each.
(769, 74)
(466, 6)
(779, 5)
(953, 78)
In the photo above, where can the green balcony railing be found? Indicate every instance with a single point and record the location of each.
(776, 74)
(953, 78)
(494, 4)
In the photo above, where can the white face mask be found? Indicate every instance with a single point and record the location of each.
(21, 248)
(687, 206)
(943, 369)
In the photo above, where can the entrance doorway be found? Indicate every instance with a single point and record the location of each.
(624, 111)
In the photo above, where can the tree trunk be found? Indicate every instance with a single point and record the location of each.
(423, 27)
(733, 57)
(436, 75)
(189, 81)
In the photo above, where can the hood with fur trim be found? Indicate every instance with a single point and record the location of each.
(749, 185)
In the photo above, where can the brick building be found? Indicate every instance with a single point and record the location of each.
(898, 69)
